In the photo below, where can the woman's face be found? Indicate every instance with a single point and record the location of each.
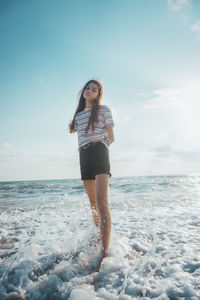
(91, 91)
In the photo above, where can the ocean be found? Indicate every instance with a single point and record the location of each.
(48, 249)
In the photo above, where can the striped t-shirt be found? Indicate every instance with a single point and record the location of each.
(100, 133)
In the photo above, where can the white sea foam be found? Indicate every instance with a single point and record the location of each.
(48, 249)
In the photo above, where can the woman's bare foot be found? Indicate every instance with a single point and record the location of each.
(102, 256)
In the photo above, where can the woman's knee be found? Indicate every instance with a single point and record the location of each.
(89, 186)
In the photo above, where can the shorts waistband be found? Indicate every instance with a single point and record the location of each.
(89, 144)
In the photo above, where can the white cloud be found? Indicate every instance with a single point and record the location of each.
(6, 147)
(21, 164)
(185, 10)
(7, 151)
(160, 135)
(196, 26)
(178, 112)
(178, 5)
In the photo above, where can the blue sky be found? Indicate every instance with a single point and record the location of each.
(145, 52)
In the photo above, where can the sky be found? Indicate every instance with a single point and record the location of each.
(146, 54)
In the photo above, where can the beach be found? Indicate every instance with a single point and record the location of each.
(49, 246)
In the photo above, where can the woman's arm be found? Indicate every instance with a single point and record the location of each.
(110, 134)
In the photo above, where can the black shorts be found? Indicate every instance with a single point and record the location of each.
(94, 159)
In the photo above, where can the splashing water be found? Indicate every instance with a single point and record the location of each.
(49, 246)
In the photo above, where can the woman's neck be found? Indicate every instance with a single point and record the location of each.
(88, 104)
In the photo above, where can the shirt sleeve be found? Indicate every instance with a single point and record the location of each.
(108, 119)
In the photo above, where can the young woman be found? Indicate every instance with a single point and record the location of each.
(94, 125)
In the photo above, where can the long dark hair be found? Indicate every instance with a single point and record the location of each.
(95, 107)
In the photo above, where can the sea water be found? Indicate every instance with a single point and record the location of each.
(49, 246)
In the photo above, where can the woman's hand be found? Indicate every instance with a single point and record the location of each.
(71, 130)
(110, 134)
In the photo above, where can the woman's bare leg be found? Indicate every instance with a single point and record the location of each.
(102, 183)
(91, 192)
